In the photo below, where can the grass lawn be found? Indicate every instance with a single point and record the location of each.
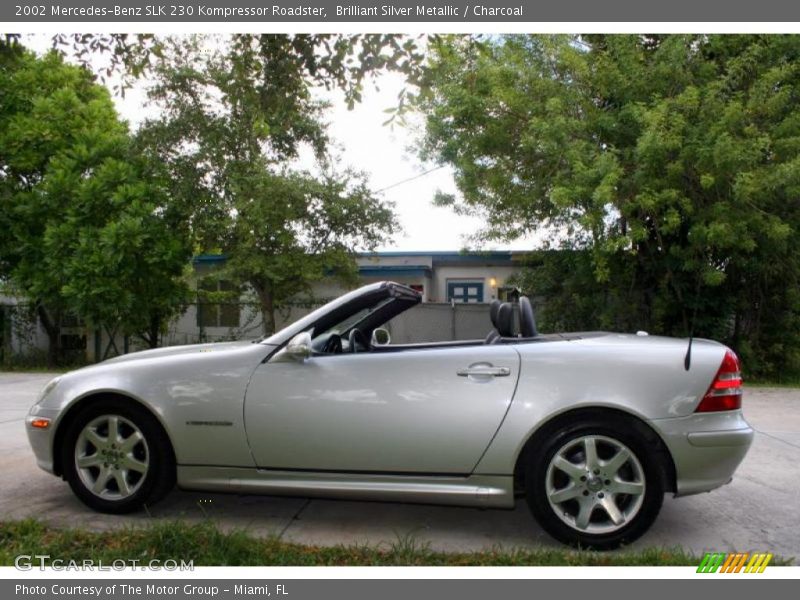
(207, 546)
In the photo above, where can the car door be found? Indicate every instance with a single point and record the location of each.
(431, 410)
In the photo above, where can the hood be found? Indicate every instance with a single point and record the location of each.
(176, 351)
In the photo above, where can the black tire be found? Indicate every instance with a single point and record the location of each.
(537, 471)
(150, 487)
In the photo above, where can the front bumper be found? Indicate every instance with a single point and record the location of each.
(41, 440)
(706, 448)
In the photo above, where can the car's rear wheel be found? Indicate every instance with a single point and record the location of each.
(595, 484)
(117, 458)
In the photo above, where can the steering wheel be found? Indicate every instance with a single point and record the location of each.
(355, 339)
(333, 345)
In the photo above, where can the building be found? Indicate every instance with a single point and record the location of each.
(441, 277)
(446, 281)
(475, 277)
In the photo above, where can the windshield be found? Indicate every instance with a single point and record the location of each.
(353, 320)
(367, 307)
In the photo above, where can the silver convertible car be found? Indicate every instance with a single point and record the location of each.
(592, 429)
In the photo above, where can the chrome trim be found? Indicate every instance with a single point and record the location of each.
(495, 491)
(484, 370)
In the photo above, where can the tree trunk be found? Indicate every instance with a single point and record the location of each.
(267, 309)
(52, 326)
(155, 329)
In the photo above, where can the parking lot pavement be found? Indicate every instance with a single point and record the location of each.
(758, 511)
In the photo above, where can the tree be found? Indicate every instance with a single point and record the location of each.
(234, 114)
(671, 162)
(343, 61)
(87, 231)
(293, 229)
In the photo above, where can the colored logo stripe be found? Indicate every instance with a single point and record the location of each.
(758, 563)
(711, 562)
(734, 562)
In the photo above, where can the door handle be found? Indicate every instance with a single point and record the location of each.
(484, 371)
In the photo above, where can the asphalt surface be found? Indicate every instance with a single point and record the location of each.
(758, 511)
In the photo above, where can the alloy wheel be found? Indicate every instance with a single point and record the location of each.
(111, 457)
(595, 484)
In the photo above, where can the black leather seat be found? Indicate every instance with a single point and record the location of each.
(505, 322)
(493, 334)
(502, 316)
(527, 322)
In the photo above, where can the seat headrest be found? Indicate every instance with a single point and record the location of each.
(505, 320)
(493, 308)
(527, 322)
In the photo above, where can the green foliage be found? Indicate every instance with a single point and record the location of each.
(87, 230)
(671, 163)
(343, 61)
(205, 545)
(234, 115)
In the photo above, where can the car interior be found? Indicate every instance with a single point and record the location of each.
(351, 329)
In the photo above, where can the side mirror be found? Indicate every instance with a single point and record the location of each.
(299, 347)
(381, 337)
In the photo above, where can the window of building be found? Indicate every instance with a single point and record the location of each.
(465, 291)
(217, 314)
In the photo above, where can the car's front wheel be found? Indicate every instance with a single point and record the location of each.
(595, 484)
(116, 457)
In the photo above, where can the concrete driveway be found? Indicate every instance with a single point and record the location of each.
(758, 511)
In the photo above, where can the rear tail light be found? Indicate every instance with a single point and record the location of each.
(725, 392)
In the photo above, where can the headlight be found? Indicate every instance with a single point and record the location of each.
(48, 388)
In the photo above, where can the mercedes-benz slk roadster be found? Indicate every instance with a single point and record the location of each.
(592, 429)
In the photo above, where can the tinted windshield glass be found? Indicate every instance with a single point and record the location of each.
(345, 325)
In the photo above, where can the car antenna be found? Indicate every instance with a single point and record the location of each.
(687, 360)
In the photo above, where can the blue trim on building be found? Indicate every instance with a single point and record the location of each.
(438, 257)
(407, 270)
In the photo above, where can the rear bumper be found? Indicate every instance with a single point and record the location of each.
(706, 448)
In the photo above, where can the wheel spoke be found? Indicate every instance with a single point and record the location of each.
(102, 481)
(619, 459)
(567, 493)
(84, 462)
(590, 445)
(613, 512)
(584, 514)
(129, 462)
(627, 487)
(130, 442)
(122, 483)
(574, 471)
(94, 438)
(113, 429)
